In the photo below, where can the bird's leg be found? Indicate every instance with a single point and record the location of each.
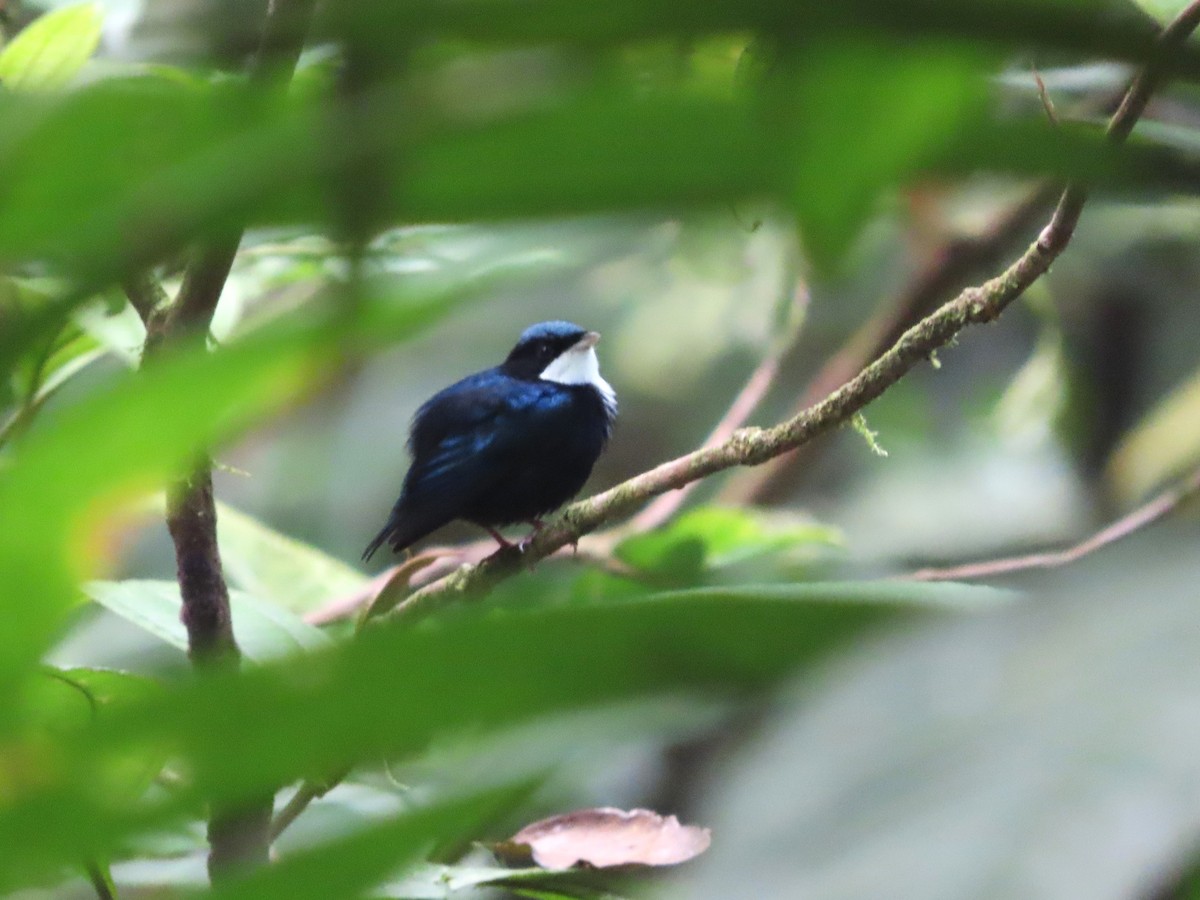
(504, 544)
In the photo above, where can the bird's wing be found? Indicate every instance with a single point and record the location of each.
(462, 440)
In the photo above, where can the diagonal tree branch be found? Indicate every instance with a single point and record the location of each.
(957, 262)
(753, 446)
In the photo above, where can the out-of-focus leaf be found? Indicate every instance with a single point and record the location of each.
(1036, 398)
(109, 687)
(1045, 751)
(1163, 11)
(351, 804)
(437, 882)
(61, 704)
(239, 733)
(348, 867)
(863, 115)
(274, 567)
(1120, 32)
(122, 331)
(1163, 446)
(65, 478)
(264, 630)
(122, 173)
(720, 536)
(605, 838)
(47, 54)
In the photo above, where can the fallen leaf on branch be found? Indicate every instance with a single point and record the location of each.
(605, 837)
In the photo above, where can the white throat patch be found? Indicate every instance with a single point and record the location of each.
(580, 366)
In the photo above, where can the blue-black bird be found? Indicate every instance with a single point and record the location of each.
(508, 444)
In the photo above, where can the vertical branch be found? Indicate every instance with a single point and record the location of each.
(238, 836)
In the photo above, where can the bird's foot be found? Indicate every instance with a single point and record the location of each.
(538, 525)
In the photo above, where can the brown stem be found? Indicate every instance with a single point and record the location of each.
(739, 412)
(1147, 513)
(957, 262)
(238, 836)
(753, 446)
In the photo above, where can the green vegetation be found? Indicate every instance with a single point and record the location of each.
(239, 245)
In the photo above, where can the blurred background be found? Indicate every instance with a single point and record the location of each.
(1038, 741)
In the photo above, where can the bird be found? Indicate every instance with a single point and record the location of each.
(506, 445)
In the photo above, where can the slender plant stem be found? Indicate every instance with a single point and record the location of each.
(100, 882)
(739, 412)
(945, 273)
(1156, 508)
(238, 836)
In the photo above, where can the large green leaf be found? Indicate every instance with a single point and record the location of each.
(1047, 751)
(719, 536)
(67, 476)
(51, 51)
(126, 438)
(124, 172)
(862, 115)
(275, 567)
(393, 690)
(264, 630)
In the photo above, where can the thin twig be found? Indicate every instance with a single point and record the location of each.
(739, 412)
(146, 296)
(1149, 512)
(99, 881)
(1044, 96)
(945, 273)
(753, 446)
(305, 794)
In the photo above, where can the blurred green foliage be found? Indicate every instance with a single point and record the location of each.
(435, 177)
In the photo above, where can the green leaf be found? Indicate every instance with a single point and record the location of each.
(264, 630)
(49, 53)
(713, 536)
(1163, 11)
(350, 866)
(1164, 445)
(55, 495)
(1020, 754)
(438, 882)
(276, 568)
(120, 331)
(394, 690)
(863, 115)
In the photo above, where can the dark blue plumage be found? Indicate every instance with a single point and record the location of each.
(508, 444)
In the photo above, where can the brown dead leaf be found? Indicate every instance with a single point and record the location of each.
(605, 837)
(397, 586)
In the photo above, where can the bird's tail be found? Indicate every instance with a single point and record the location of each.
(401, 532)
(378, 540)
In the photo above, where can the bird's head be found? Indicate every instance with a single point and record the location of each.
(555, 351)
(560, 352)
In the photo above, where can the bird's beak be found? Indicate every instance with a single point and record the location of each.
(588, 341)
